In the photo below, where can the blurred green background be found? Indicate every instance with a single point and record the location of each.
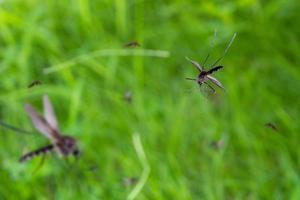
(75, 47)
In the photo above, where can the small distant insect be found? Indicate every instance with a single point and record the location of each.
(218, 144)
(34, 83)
(48, 126)
(132, 44)
(128, 181)
(205, 75)
(271, 125)
(128, 96)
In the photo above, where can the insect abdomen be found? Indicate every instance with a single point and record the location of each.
(35, 153)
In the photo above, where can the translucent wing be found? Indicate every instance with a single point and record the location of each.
(49, 113)
(197, 65)
(215, 81)
(40, 123)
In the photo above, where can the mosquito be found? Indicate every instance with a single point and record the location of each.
(48, 126)
(206, 75)
(132, 44)
(271, 125)
(34, 83)
(128, 181)
(128, 96)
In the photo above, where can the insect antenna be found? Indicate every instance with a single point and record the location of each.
(224, 53)
(212, 89)
(191, 79)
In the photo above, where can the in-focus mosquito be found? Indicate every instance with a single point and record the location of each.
(206, 75)
(34, 83)
(132, 44)
(48, 126)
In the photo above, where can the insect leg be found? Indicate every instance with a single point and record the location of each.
(13, 128)
(224, 53)
(39, 166)
(191, 79)
(214, 91)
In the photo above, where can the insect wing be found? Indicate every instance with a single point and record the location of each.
(215, 81)
(49, 113)
(197, 65)
(40, 123)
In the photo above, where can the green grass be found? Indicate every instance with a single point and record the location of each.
(163, 137)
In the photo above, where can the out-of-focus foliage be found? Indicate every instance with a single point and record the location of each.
(75, 48)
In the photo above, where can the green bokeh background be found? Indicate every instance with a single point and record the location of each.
(75, 47)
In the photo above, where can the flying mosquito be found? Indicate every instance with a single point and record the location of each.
(128, 96)
(271, 126)
(34, 83)
(206, 75)
(48, 126)
(132, 44)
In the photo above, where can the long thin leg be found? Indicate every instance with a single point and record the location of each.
(206, 58)
(212, 44)
(214, 91)
(224, 53)
(191, 79)
(2, 123)
(39, 166)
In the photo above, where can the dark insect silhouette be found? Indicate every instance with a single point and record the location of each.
(34, 83)
(48, 126)
(132, 44)
(206, 75)
(271, 125)
(217, 144)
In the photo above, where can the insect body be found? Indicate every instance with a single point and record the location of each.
(271, 125)
(48, 126)
(132, 44)
(34, 83)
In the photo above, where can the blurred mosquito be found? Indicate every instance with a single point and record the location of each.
(217, 144)
(271, 125)
(34, 83)
(128, 96)
(206, 75)
(48, 126)
(128, 181)
(132, 44)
